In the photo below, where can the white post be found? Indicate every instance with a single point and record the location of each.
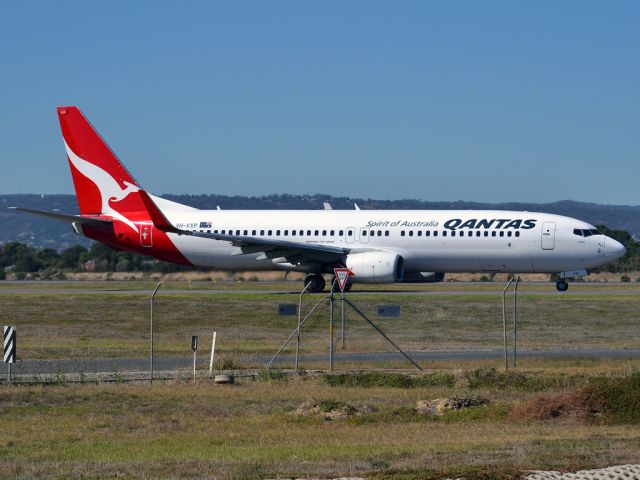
(213, 352)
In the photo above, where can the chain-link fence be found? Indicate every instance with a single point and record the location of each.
(75, 335)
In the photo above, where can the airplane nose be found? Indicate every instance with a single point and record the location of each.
(613, 248)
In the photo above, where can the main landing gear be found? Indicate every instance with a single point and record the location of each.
(562, 285)
(315, 283)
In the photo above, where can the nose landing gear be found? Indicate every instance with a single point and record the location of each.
(562, 285)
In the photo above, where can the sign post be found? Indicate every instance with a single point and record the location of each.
(9, 344)
(342, 277)
(194, 347)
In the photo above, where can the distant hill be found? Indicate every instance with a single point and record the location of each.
(38, 232)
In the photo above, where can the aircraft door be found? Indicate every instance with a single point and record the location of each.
(364, 237)
(146, 235)
(548, 235)
(351, 234)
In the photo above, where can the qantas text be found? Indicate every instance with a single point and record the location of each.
(458, 223)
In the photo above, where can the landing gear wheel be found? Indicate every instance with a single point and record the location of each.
(315, 282)
(562, 286)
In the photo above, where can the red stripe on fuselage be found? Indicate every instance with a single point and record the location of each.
(121, 237)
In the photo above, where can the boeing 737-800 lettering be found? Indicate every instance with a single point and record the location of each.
(378, 246)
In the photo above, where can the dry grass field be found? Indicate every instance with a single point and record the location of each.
(103, 325)
(250, 430)
(560, 413)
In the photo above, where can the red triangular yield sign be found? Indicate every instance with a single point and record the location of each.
(342, 275)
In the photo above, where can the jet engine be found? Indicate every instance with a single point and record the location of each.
(423, 277)
(376, 267)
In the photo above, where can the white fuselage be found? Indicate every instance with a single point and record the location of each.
(428, 240)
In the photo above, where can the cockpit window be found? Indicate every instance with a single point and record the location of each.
(583, 232)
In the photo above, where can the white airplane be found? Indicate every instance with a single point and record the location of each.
(381, 246)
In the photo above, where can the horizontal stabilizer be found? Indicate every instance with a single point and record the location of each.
(93, 221)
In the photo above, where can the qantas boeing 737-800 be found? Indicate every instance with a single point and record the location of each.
(380, 246)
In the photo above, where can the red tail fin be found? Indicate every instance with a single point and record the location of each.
(103, 185)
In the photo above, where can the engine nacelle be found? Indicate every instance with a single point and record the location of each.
(376, 267)
(423, 277)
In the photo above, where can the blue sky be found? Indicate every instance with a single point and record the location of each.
(462, 100)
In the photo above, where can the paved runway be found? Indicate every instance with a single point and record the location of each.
(429, 293)
(35, 367)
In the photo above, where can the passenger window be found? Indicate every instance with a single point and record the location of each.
(277, 233)
(222, 232)
(419, 233)
(324, 233)
(501, 233)
(402, 233)
(246, 232)
(379, 233)
(215, 231)
(253, 232)
(317, 232)
(509, 233)
(444, 234)
(332, 233)
(237, 232)
(386, 233)
(293, 233)
(270, 232)
(453, 233)
(349, 232)
(427, 233)
(477, 233)
(435, 234)
(486, 234)
(411, 233)
(493, 234)
(308, 233)
(286, 232)
(301, 232)
(341, 233)
(517, 234)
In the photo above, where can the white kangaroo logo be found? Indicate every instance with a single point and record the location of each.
(110, 190)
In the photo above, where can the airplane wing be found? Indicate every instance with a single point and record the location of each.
(73, 219)
(276, 250)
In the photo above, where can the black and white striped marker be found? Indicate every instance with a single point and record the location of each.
(9, 344)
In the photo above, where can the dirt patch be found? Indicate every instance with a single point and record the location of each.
(440, 406)
(602, 400)
(331, 410)
(566, 408)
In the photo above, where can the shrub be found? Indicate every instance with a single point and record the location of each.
(494, 379)
(397, 380)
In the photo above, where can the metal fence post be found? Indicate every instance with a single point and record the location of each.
(515, 320)
(306, 287)
(504, 324)
(331, 326)
(153, 296)
(342, 316)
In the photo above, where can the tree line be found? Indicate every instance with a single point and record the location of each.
(46, 263)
